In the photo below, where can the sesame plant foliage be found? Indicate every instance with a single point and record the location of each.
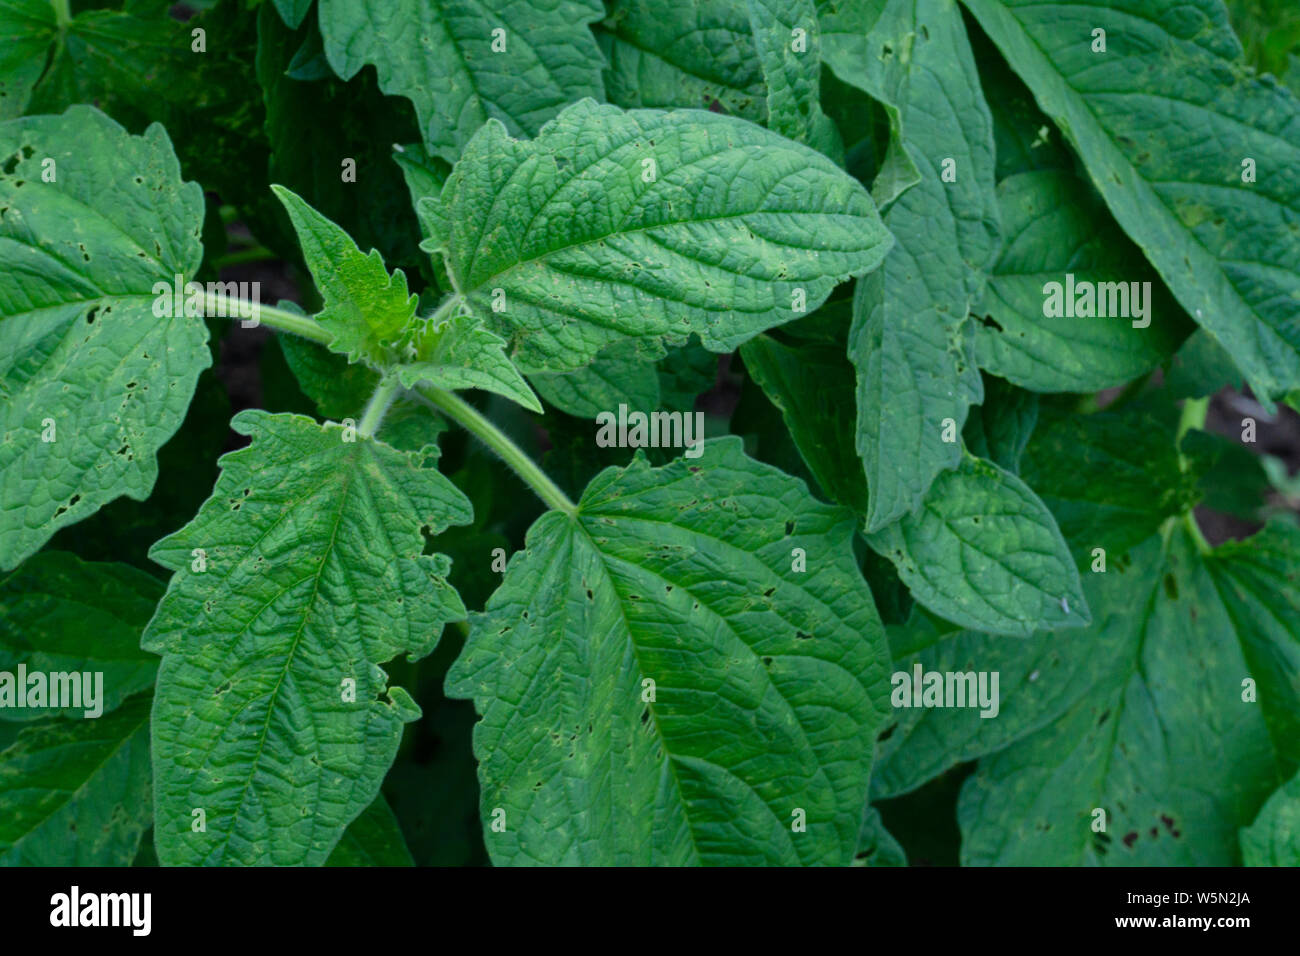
(680, 433)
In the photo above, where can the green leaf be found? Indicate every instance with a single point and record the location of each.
(787, 40)
(1110, 479)
(1038, 677)
(462, 64)
(618, 376)
(984, 552)
(1269, 31)
(1274, 838)
(122, 531)
(1054, 227)
(59, 614)
(27, 28)
(366, 308)
(293, 11)
(1201, 367)
(812, 385)
(114, 59)
(768, 682)
(458, 352)
(908, 343)
(1140, 115)
(685, 373)
(646, 225)
(80, 345)
(372, 317)
(1168, 740)
(876, 845)
(1000, 428)
(699, 55)
(76, 792)
(339, 388)
(1024, 137)
(372, 839)
(312, 576)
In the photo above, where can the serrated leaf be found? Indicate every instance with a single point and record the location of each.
(1274, 838)
(768, 682)
(646, 225)
(1166, 740)
(312, 577)
(60, 615)
(372, 839)
(985, 553)
(699, 55)
(1055, 229)
(1140, 115)
(76, 792)
(787, 40)
(366, 308)
(908, 340)
(617, 376)
(461, 64)
(458, 352)
(80, 345)
(372, 317)
(27, 28)
(812, 385)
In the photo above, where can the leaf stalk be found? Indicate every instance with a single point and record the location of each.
(474, 422)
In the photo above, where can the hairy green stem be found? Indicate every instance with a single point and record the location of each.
(62, 13)
(447, 308)
(268, 315)
(469, 418)
(450, 404)
(377, 407)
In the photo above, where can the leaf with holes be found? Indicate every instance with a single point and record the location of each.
(646, 225)
(916, 373)
(1140, 87)
(76, 792)
(1190, 721)
(985, 553)
(662, 682)
(96, 368)
(298, 577)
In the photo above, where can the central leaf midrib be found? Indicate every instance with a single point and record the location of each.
(293, 648)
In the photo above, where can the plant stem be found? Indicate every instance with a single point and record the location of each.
(456, 408)
(1193, 416)
(62, 13)
(251, 254)
(269, 315)
(445, 309)
(450, 404)
(377, 407)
